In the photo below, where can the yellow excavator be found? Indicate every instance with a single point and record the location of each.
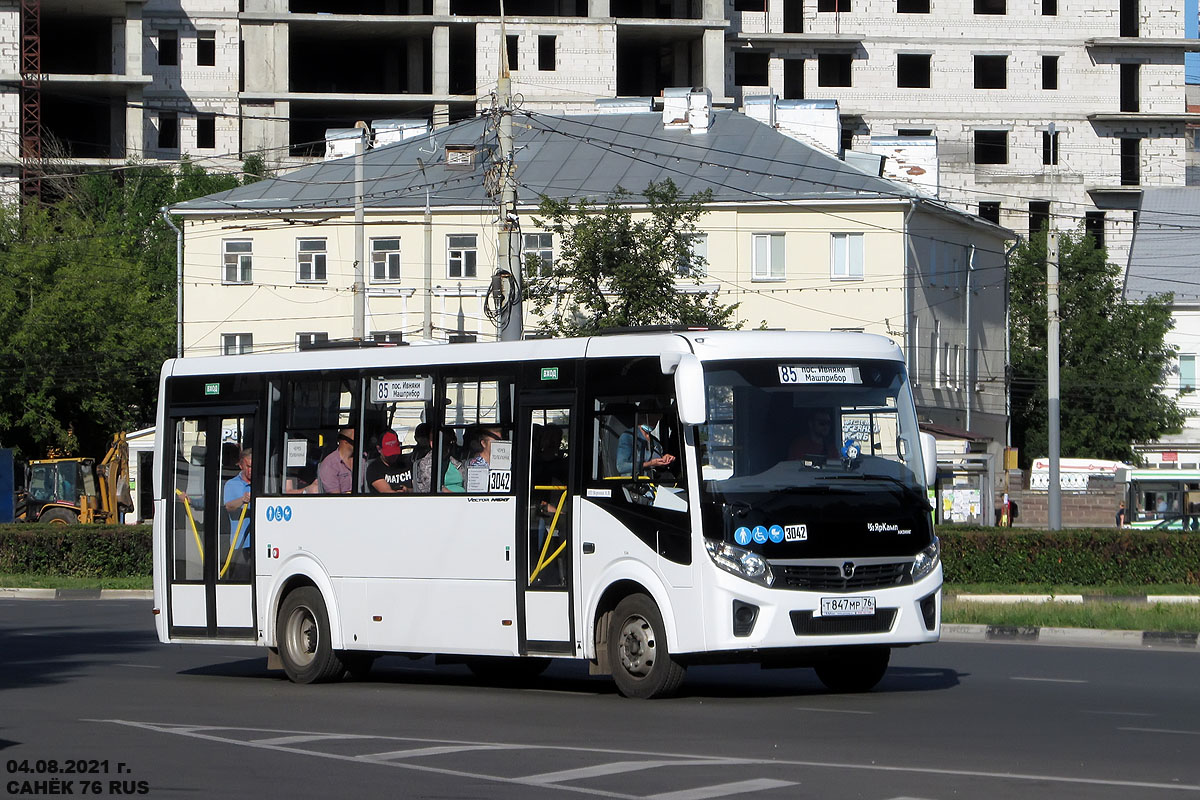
(64, 491)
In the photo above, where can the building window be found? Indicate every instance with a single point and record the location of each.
(206, 132)
(539, 246)
(836, 6)
(546, 46)
(1049, 72)
(168, 49)
(460, 255)
(991, 147)
(510, 45)
(697, 265)
(935, 357)
(1039, 217)
(991, 72)
(750, 69)
(944, 366)
(767, 257)
(912, 70)
(387, 337)
(206, 49)
(912, 6)
(990, 7)
(385, 260)
(1093, 226)
(1049, 8)
(847, 139)
(914, 131)
(310, 260)
(168, 131)
(1131, 87)
(239, 258)
(847, 256)
(833, 69)
(236, 344)
(1131, 161)
(915, 372)
(1187, 373)
(306, 340)
(990, 210)
(793, 79)
(1049, 148)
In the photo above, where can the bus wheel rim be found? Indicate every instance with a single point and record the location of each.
(303, 636)
(637, 646)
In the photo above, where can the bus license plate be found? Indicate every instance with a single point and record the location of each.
(847, 606)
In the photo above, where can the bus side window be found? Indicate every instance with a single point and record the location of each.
(318, 414)
(395, 413)
(477, 435)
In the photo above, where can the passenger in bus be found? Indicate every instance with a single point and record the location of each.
(236, 497)
(817, 438)
(641, 447)
(479, 445)
(391, 473)
(334, 474)
(452, 478)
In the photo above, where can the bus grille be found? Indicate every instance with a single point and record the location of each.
(805, 624)
(829, 578)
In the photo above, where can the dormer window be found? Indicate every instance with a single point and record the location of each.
(460, 156)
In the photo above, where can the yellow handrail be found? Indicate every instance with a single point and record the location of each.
(188, 506)
(234, 538)
(544, 562)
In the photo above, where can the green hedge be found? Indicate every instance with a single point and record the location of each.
(1077, 556)
(84, 551)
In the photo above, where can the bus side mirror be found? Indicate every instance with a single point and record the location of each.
(689, 386)
(929, 458)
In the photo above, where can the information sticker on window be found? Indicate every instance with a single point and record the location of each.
(297, 452)
(401, 390)
(500, 480)
(818, 373)
(500, 455)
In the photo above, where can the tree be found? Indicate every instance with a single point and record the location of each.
(617, 270)
(87, 306)
(1112, 354)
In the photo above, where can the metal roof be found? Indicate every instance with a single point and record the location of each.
(569, 157)
(1164, 256)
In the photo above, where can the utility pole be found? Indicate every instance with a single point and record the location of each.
(508, 264)
(360, 285)
(1052, 320)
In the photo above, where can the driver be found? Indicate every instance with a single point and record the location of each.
(816, 437)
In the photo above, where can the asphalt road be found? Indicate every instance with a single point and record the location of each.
(84, 685)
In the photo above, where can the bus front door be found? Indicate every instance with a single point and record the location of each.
(545, 576)
(209, 557)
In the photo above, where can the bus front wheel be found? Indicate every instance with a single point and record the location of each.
(302, 634)
(642, 665)
(855, 671)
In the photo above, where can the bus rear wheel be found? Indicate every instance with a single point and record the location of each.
(59, 516)
(858, 670)
(642, 665)
(302, 633)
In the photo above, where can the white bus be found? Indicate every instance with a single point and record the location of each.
(640, 501)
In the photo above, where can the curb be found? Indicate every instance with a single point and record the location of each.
(76, 594)
(1011, 634)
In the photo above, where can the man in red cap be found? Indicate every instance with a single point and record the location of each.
(391, 473)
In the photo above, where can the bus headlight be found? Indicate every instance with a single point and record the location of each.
(927, 560)
(742, 563)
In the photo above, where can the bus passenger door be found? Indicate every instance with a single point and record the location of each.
(546, 445)
(209, 557)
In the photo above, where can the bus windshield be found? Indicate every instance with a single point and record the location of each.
(778, 427)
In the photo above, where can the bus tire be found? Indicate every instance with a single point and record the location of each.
(641, 661)
(59, 516)
(302, 634)
(505, 671)
(859, 670)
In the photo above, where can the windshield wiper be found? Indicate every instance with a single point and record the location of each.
(860, 476)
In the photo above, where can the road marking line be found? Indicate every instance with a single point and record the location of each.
(833, 710)
(620, 767)
(1161, 730)
(722, 789)
(308, 737)
(1119, 713)
(203, 732)
(1049, 680)
(422, 752)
